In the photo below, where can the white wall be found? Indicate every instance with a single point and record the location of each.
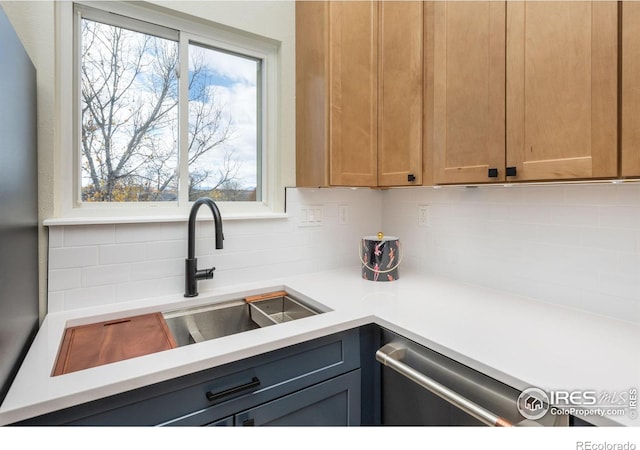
(91, 265)
(573, 245)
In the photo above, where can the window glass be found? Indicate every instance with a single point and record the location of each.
(129, 115)
(130, 129)
(223, 147)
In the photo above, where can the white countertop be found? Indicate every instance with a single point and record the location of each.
(516, 340)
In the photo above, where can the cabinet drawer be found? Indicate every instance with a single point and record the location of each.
(334, 402)
(216, 393)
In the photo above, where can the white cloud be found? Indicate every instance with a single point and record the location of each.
(233, 67)
(240, 100)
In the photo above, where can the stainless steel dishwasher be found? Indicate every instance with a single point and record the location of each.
(422, 387)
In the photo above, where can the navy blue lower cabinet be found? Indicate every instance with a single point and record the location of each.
(335, 402)
(217, 396)
(226, 422)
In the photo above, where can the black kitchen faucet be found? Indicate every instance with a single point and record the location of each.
(192, 274)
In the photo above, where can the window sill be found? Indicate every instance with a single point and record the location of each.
(68, 221)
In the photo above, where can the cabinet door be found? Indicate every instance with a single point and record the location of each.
(562, 89)
(630, 89)
(353, 48)
(335, 402)
(400, 93)
(312, 100)
(468, 93)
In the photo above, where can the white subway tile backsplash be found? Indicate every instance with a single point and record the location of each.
(501, 194)
(55, 301)
(204, 228)
(620, 285)
(133, 233)
(151, 270)
(88, 297)
(557, 235)
(572, 215)
(204, 246)
(619, 240)
(592, 259)
(69, 257)
(619, 216)
(526, 213)
(133, 290)
(64, 279)
(628, 194)
(105, 275)
(123, 253)
(56, 237)
(80, 235)
(252, 227)
(629, 264)
(165, 249)
(124, 262)
(591, 195)
(573, 245)
(543, 195)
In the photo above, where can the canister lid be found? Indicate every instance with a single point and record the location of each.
(384, 238)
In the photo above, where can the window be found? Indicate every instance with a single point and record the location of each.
(167, 111)
(223, 125)
(128, 113)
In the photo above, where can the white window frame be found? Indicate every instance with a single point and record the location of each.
(71, 209)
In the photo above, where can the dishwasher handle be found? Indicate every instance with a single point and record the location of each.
(391, 356)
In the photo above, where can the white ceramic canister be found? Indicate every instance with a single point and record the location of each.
(380, 257)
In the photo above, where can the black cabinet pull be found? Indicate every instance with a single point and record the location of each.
(511, 171)
(493, 173)
(411, 178)
(234, 390)
(249, 423)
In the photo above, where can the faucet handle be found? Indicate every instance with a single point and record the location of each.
(205, 274)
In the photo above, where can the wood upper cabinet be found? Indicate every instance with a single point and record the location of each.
(400, 93)
(468, 95)
(562, 89)
(312, 87)
(359, 93)
(630, 100)
(524, 86)
(353, 87)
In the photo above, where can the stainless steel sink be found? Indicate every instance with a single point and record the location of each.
(203, 323)
(278, 310)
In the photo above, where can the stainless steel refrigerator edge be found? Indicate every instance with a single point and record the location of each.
(18, 204)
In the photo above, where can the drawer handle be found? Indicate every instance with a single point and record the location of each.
(211, 396)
